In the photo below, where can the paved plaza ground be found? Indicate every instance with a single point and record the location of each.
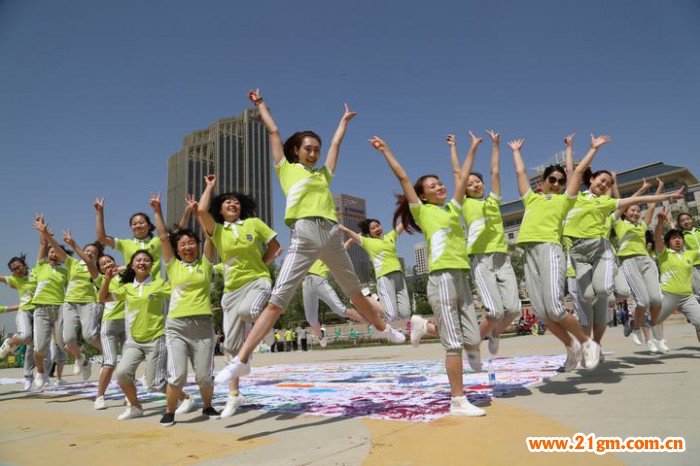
(632, 394)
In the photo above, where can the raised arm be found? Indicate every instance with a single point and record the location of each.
(466, 170)
(398, 170)
(520, 171)
(615, 192)
(495, 162)
(454, 157)
(272, 252)
(569, 160)
(354, 236)
(43, 247)
(275, 138)
(10, 308)
(661, 218)
(41, 226)
(348, 243)
(68, 239)
(104, 295)
(574, 182)
(205, 218)
(651, 207)
(190, 203)
(209, 250)
(332, 157)
(628, 201)
(100, 223)
(166, 247)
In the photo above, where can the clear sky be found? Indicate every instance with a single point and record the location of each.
(95, 96)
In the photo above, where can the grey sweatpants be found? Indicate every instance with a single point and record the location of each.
(190, 338)
(393, 294)
(112, 334)
(696, 281)
(688, 306)
(241, 307)
(642, 276)
(48, 323)
(315, 288)
(81, 316)
(314, 238)
(545, 275)
(153, 353)
(495, 281)
(594, 264)
(450, 297)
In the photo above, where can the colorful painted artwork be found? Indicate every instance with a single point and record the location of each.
(399, 390)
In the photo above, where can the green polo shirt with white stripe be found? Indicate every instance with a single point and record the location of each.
(151, 244)
(113, 310)
(382, 253)
(241, 246)
(631, 238)
(191, 288)
(144, 307)
(676, 271)
(589, 216)
(484, 224)
(544, 216)
(321, 269)
(307, 191)
(691, 238)
(25, 287)
(50, 284)
(444, 234)
(81, 288)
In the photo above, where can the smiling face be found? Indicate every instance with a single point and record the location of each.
(601, 183)
(230, 209)
(140, 226)
(375, 230)
(685, 221)
(18, 269)
(188, 248)
(141, 264)
(106, 263)
(91, 251)
(309, 151)
(475, 187)
(675, 242)
(434, 191)
(554, 183)
(52, 257)
(633, 213)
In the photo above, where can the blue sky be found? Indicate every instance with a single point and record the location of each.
(95, 96)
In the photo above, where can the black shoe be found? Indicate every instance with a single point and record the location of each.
(167, 420)
(211, 413)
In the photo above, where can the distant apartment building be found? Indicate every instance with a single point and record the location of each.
(420, 251)
(351, 210)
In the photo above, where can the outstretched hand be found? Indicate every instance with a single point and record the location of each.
(598, 142)
(451, 140)
(155, 202)
(475, 139)
(210, 180)
(99, 204)
(68, 238)
(569, 140)
(348, 115)
(191, 203)
(495, 137)
(516, 144)
(254, 96)
(378, 144)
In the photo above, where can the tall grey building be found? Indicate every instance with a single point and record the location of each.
(236, 149)
(351, 211)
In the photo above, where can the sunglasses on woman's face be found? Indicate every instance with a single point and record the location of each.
(554, 179)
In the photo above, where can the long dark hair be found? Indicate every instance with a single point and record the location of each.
(248, 205)
(176, 233)
(151, 226)
(130, 274)
(551, 169)
(678, 218)
(294, 142)
(403, 211)
(588, 176)
(364, 226)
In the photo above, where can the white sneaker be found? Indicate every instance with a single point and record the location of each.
(494, 343)
(652, 346)
(78, 364)
(391, 334)
(130, 413)
(419, 327)
(573, 356)
(86, 370)
(474, 360)
(662, 346)
(323, 342)
(637, 337)
(185, 406)
(234, 369)
(60, 382)
(232, 404)
(460, 406)
(27, 384)
(590, 352)
(6, 348)
(40, 380)
(100, 403)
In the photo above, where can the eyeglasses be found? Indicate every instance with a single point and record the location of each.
(554, 179)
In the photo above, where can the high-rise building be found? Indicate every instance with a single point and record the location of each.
(351, 211)
(236, 150)
(420, 251)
